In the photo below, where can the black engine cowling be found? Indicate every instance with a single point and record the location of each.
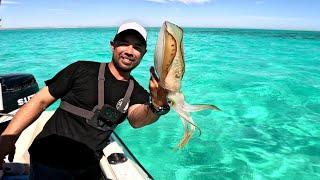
(15, 90)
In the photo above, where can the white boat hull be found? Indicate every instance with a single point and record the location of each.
(130, 169)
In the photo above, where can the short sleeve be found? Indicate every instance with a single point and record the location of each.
(139, 95)
(62, 82)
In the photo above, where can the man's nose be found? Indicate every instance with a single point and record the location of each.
(129, 50)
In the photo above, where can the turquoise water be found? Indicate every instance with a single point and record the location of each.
(266, 82)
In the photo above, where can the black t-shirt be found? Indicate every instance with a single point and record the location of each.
(67, 140)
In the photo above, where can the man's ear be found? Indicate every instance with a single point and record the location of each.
(112, 45)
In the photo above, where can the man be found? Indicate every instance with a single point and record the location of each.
(95, 99)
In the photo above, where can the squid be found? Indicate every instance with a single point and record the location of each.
(170, 67)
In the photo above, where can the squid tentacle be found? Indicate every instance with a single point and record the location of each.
(199, 107)
(178, 105)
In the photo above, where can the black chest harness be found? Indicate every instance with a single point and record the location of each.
(103, 116)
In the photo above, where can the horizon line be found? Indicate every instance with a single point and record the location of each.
(210, 27)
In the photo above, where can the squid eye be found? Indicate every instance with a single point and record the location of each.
(170, 102)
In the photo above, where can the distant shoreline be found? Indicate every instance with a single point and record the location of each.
(198, 27)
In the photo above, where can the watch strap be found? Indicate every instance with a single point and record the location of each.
(161, 110)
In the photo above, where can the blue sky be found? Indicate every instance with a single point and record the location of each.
(265, 14)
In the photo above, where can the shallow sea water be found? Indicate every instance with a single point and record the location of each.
(266, 82)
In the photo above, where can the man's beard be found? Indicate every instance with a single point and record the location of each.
(120, 68)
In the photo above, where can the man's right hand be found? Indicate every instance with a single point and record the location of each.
(7, 147)
(158, 94)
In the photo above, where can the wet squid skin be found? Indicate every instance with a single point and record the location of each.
(169, 64)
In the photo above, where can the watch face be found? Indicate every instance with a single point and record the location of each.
(163, 110)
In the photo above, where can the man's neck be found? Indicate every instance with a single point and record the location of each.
(119, 75)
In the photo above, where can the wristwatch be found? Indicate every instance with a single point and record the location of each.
(161, 110)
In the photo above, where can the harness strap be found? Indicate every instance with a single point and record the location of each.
(76, 110)
(89, 114)
(101, 85)
(126, 97)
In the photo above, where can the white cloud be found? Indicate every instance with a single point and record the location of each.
(193, 1)
(182, 1)
(9, 2)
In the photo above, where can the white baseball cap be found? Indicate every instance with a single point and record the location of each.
(133, 26)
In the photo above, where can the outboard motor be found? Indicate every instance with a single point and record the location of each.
(15, 91)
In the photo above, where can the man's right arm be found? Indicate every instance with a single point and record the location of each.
(27, 114)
